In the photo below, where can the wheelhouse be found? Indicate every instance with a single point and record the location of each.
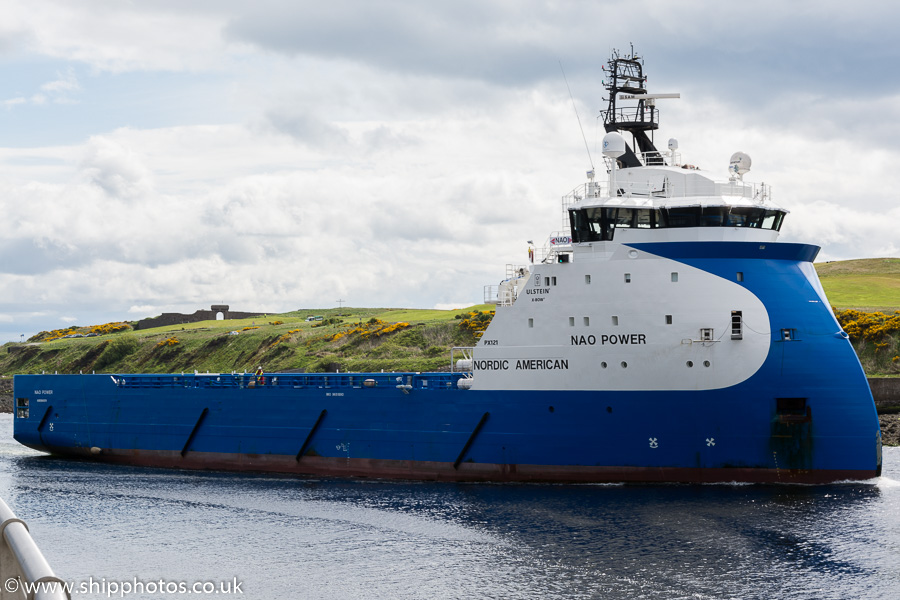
(599, 223)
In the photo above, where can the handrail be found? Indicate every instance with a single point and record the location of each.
(436, 380)
(23, 568)
(674, 188)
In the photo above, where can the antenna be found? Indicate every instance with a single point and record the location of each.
(586, 147)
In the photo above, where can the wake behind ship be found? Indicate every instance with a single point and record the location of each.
(666, 335)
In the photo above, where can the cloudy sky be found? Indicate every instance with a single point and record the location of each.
(164, 155)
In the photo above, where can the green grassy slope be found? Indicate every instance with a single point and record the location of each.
(866, 284)
(275, 342)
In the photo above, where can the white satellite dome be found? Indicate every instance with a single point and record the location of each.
(613, 145)
(739, 164)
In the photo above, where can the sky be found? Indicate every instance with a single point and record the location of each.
(163, 156)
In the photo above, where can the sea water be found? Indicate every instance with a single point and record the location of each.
(111, 530)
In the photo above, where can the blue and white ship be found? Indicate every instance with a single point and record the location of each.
(667, 336)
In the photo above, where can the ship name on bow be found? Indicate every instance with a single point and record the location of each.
(609, 340)
(521, 364)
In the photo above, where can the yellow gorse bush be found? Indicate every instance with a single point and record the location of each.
(49, 336)
(284, 337)
(374, 328)
(110, 328)
(475, 322)
(873, 327)
(172, 341)
(55, 334)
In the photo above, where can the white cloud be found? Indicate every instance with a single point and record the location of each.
(57, 91)
(457, 305)
(144, 310)
(115, 168)
(122, 37)
(14, 102)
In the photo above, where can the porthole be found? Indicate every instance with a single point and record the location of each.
(603, 365)
(624, 365)
(551, 409)
(689, 363)
(706, 363)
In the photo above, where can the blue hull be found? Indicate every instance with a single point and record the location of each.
(333, 425)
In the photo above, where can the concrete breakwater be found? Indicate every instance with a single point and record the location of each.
(885, 390)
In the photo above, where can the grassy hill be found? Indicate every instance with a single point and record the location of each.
(870, 284)
(365, 339)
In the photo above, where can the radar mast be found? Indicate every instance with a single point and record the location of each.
(625, 76)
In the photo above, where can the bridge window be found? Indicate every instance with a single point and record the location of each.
(600, 223)
(683, 216)
(674, 277)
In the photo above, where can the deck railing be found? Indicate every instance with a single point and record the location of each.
(656, 191)
(24, 572)
(408, 380)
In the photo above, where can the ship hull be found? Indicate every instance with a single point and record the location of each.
(327, 425)
(782, 400)
(481, 472)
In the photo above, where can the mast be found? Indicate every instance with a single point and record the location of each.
(625, 76)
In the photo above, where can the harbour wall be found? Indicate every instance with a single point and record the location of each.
(886, 391)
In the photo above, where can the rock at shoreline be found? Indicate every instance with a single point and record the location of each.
(6, 394)
(890, 429)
